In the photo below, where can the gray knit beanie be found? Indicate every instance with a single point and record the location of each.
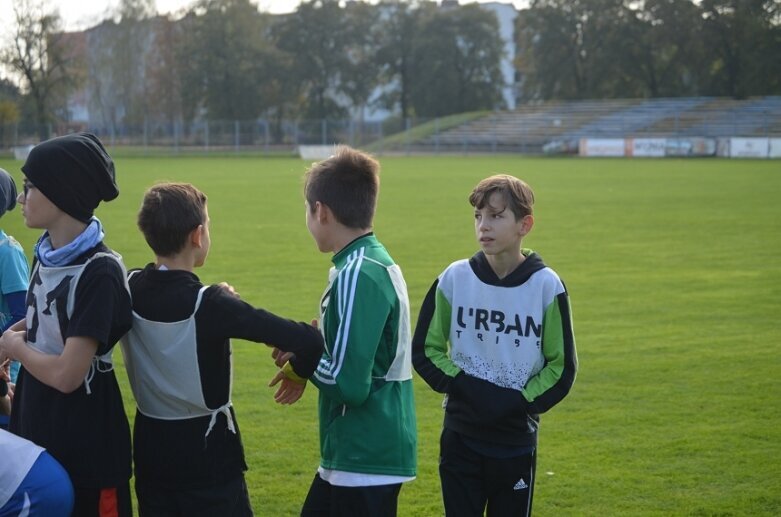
(7, 192)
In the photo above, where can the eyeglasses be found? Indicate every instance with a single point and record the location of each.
(26, 186)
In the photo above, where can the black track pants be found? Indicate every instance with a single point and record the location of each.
(472, 482)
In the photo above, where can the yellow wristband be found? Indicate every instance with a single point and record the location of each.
(287, 369)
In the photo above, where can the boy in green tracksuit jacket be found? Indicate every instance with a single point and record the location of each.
(495, 335)
(366, 408)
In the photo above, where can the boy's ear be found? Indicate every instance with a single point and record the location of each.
(196, 236)
(527, 223)
(322, 212)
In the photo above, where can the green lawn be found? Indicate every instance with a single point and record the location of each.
(675, 278)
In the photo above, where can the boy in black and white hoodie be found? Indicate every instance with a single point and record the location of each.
(495, 335)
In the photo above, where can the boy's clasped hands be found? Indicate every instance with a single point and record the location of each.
(10, 341)
(292, 386)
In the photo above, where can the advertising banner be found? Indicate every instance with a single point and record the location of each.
(690, 147)
(601, 147)
(645, 147)
(748, 148)
(774, 150)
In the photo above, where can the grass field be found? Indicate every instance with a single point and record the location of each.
(674, 271)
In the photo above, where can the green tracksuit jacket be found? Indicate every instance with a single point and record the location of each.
(366, 405)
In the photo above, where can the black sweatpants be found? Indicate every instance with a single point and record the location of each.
(472, 482)
(227, 500)
(327, 500)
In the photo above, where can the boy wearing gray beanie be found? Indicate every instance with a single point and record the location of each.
(78, 306)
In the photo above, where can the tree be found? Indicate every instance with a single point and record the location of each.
(9, 111)
(457, 62)
(744, 37)
(164, 85)
(665, 51)
(281, 91)
(224, 60)
(9, 114)
(39, 55)
(130, 45)
(118, 55)
(627, 48)
(136, 10)
(359, 78)
(102, 92)
(395, 55)
(550, 58)
(318, 37)
(569, 49)
(8, 90)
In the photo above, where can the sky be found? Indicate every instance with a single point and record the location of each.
(80, 14)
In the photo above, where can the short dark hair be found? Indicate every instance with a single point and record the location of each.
(518, 195)
(348, 183)
(169, 212)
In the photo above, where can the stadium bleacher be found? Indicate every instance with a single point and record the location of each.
(529, 128)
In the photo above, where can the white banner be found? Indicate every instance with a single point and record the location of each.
(601, 147)
(748, 148)
(316, 152)
(21, 152)
(774, 150)
(722, 147)
(645, 147)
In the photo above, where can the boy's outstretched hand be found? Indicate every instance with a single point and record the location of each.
(293, 386)
(290, 391)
